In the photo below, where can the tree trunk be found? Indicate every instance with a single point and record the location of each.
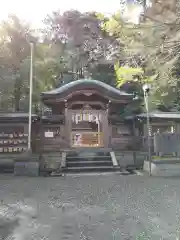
(17, 95)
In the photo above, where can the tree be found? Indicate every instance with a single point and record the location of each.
(15, 66)
(152, 46)
(82, 40)
(62, 56)
(162, 11)
(49, 68)
(15, 37)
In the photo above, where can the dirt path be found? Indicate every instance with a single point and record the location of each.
(89, 207)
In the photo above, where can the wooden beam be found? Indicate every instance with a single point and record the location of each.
(55, 98)
(87, 102)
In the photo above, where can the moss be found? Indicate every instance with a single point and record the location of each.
(162, 158)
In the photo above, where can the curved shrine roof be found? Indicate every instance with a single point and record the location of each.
(86, 84)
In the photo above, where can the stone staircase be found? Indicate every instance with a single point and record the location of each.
(89, 161)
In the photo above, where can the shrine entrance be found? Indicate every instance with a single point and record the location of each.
(86, 128)
(84, 114)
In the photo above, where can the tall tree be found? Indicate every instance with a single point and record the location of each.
(81, 38)
(15, 37)
(152, 45)
(15, 65)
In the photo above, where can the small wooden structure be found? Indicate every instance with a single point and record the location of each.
(85, 114)
(160, 122)
(163, 126)
(14, 138)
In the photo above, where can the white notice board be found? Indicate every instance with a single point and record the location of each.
(49, 134)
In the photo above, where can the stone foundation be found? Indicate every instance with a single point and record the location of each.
(163, 169)
(135, 159)
(52, 160)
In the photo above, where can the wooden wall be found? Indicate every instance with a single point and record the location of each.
(121, 136)
(163, 126)
(55, 142)
(13, 137)
(116, 136)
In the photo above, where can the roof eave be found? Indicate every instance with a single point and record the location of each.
(84, 83)
(62, 99)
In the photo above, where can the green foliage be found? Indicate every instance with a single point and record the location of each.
(15, 41)
(131, 80)
(143, 236)
(140, 53)
(82, 40)
(14, 50)
(150, 49)
(126, 74)
(73, 41)
(104, 72)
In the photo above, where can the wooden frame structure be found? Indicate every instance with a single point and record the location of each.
(89, 113)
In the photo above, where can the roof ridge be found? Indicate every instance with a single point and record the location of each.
(76, 82)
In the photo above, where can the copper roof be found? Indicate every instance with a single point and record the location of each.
(83, 84)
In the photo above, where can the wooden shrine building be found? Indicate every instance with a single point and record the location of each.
(85, 114)
(82, 116)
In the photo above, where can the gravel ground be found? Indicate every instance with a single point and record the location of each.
(89, 207)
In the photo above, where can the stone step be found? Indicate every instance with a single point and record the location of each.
(102, 151)
(107, 173)
(90, 169)
(95, 173)
(88, 163)
(89, 156)
(83, 159)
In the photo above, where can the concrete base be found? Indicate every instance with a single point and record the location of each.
(124, 159)
(163, 169)
(52, 160)
(30, 169)
(131, 158)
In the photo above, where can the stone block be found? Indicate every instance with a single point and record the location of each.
(125, 159)
(140, 157)
(26, 169)
(139, 160)
(52, 160)
(164, 170)
(118, 154)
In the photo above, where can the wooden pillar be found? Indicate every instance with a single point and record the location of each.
(177, 127)
(42, 142)
(67, 123)
(106, 135)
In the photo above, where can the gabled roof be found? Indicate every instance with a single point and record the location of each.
(82, 84)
